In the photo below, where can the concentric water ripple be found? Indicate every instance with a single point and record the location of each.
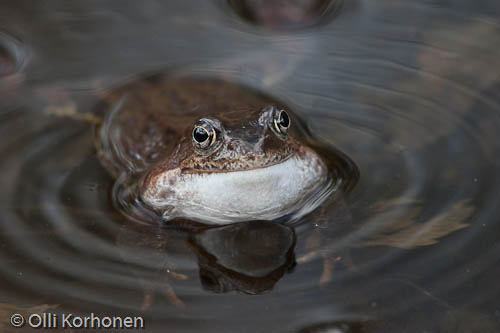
(414, 101)
(13, 59)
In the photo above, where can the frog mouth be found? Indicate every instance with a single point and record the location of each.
(240, 165)
(228, 163)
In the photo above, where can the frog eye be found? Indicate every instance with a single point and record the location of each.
(281, 121)
(204, 135)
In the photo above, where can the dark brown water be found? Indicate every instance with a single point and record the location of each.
(408, 90)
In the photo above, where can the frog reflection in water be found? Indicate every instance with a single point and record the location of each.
(213, 152)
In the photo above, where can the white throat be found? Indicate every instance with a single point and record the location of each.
(258, 194)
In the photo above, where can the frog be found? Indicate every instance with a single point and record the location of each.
(215, 152)
(205, 154)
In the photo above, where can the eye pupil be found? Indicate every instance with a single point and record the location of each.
(200, 134)
(204, 134)
(283, 119)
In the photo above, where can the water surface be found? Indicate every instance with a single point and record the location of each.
(408, 90)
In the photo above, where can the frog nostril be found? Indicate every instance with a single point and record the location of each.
(243, 146)
(252, 139)
(246, 137)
